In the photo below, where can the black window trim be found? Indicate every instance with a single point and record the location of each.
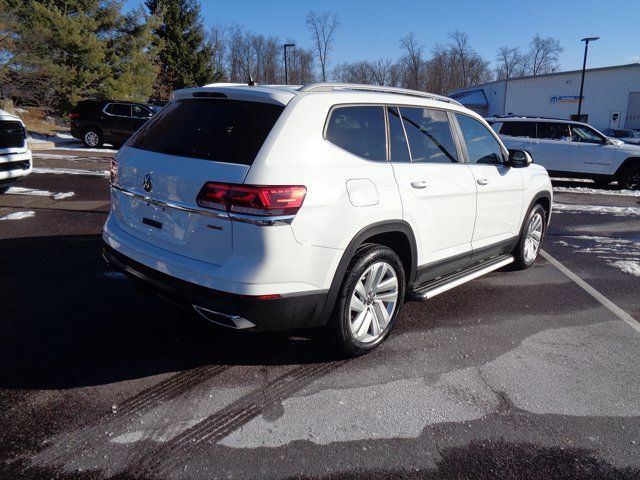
(532, 122)
(503, 149)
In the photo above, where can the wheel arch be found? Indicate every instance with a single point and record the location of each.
(626, 164)
(395, 234)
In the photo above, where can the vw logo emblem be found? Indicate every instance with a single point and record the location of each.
(146, 183)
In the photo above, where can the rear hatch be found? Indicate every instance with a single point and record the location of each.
(163, 167)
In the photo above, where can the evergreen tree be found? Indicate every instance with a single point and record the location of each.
(186, 58)
(66, 51)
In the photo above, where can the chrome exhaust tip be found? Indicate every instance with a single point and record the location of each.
(235, 322)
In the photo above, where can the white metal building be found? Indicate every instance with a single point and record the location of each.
(611, 97)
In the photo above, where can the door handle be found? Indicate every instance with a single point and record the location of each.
(482, 181)
(419, 184)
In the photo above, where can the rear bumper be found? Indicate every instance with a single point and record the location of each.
(264, 313)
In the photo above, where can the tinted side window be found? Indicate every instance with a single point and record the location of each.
(482, 147)
(399, 148)
(359, 130)
(139, 111)
(230, 131)
(519, 129)
(122, 109)
(554, 131)
(429, 135)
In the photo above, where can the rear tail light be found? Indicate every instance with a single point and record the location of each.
(252, 199)
(74, 115)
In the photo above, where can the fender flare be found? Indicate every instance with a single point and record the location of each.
(377, 228)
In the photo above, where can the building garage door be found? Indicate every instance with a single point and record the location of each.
(633, 111)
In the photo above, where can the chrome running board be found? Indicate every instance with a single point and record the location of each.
(442, 284)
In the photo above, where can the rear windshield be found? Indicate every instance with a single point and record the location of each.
(230, 131)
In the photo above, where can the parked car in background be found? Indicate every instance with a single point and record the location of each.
(627, 136)
(15, 157)
(108, 121)
(572, 149)
(278, 208)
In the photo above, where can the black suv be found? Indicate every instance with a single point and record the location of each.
(108, 121)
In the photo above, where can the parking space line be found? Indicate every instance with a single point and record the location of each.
(612, 307)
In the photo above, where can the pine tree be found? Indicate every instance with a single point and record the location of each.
(66, 51)
(186, 58)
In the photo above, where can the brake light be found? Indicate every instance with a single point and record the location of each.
(74, 115)
(252, 199)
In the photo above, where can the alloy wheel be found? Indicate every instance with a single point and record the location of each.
(91, 138)
(373, 302)
(533, 238)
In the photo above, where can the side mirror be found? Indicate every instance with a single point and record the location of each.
(519, 159)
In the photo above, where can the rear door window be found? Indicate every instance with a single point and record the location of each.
(553, 131)
(429, 135)
(120, 109)
(359, 130)
(230, 131)
(519, 129)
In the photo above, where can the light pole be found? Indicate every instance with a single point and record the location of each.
(286, 45)
(584, 66)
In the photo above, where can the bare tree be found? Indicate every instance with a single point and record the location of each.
(461, 54)
(323, 27)
(543, 55)
(412, 61)
(300, 63)
(217, 40)
(509, 62)
(381, 71)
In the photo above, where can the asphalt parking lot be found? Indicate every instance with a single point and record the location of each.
(525, 375)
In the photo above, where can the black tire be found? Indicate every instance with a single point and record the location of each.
(601, 183)
(340, 325)
(92, 138)
(630, 178)
(4, 188)
(522, 260)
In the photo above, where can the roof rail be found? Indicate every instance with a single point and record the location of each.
(330, 87)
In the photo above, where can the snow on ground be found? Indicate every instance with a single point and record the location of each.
(18, 215)
(597, 209)
(81, 146)
(597, 191)
(58, 136)
(624, 254)
(71, 171)
(39, 193)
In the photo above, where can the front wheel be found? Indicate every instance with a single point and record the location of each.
(630, 178)
(528, 247)
(370, 297)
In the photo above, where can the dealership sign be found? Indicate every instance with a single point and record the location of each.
(566, 99)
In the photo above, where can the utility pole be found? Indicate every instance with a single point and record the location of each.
(286, 77)
(584, 66)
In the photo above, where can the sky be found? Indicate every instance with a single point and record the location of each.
(371, 29)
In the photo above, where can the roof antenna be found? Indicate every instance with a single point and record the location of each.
(251, 82)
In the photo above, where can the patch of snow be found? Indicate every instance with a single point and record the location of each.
(620, 253)
(627, 266)
(597, 191)
(36, 154)
(28, 191)
(18, 215)
(71, 171)
(31, 139)
(61, 195)
(84, 149)
(598, 209)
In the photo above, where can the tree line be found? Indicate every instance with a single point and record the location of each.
(54, 53)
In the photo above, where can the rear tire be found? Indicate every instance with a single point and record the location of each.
(630, 178)
(370, 297)
(92, 138)
(533, 230)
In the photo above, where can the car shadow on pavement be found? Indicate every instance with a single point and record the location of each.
(68, 322)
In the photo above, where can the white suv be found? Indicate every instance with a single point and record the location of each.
(278, 208)
(15, 158)
(572, 149)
